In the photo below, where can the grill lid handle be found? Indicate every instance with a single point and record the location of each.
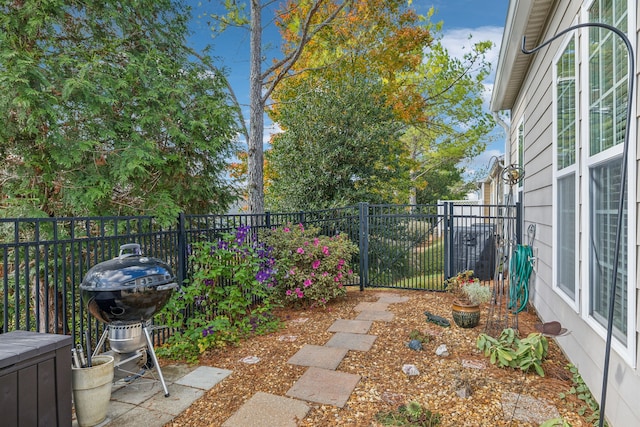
(134, 249)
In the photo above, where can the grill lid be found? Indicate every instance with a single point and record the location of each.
(128, 270)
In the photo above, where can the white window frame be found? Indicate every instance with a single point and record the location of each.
(565, 172)
(587, 162)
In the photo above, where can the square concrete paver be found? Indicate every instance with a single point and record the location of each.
(353, 326)
(204, 377)
(179, 399)
(324, 386)
(382, 316)
(371, 306)
(264, 409)
(139, 417)
(318, 356)
(392, 299)
(359, 342)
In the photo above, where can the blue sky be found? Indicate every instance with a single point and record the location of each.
(482, 19)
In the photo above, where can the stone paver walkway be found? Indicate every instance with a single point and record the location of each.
(321, 382)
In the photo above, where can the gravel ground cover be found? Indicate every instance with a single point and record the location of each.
(463, 387)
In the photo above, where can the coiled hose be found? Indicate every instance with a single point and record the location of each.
(520, 268)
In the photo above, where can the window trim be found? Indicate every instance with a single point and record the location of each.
(587, 162)
(565, 172)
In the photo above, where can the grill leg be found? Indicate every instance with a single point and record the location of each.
(154, 358)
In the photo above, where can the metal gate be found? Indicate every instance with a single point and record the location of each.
(419, 246)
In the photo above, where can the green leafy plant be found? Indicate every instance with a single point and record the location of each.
(508, 350)
(420, 336)
(582, 392)
(468, 289)
(412, 414)
(312, 269)
(228, 296)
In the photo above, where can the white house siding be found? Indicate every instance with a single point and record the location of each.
(585, 344)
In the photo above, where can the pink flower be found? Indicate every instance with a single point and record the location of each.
(350, 271)
(301, 227)
(299, 293)
(307, 283)
(325, 274)
(286, 229)
(316, 241)
(325, 250)
(292, 271)
(300, 250)
(316, 264)
(340, 262)
(289, 293)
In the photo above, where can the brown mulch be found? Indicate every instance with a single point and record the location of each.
(383, 385)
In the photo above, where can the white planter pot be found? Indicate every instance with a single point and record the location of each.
(92, 390)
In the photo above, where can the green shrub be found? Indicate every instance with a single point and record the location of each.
(510, 351)
(228, 296)
(312, 269)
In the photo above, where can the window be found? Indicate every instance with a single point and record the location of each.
(565, 170)
(607, 100)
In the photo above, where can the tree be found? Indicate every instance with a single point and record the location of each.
(314, 16)
(104, 114)
(457, 126)
(336, 148)
(384, 40)
(435, 97)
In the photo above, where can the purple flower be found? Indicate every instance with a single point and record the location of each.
(263, 275)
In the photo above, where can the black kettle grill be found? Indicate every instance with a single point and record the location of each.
(124, 293)
(128, 288)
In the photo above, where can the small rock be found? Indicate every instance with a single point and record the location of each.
(442, 350)
(473, 364)
(464, 391)
(415, 345)
(287, 338)
(250, 360)
(410, 370)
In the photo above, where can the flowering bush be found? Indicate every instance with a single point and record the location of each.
(312, 269)
(468, 288)
(227, 298)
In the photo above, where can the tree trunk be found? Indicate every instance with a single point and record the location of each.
(256, 116)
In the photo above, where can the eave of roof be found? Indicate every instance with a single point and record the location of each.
(524, 18)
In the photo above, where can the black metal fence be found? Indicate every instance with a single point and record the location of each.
(44, 260)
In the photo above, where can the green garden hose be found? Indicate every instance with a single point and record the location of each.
(520, 268)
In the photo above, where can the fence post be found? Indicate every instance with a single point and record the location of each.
(267, 219)
(182, 249)
(363, 213)
(448, 239)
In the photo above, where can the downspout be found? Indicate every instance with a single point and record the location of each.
(506, 127)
